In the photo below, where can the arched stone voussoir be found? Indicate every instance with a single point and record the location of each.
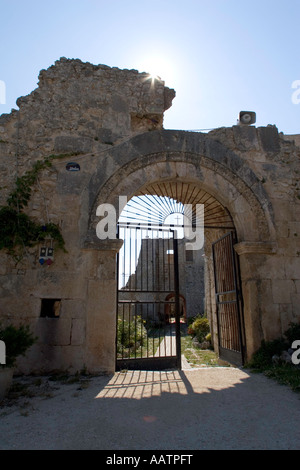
(184, 156)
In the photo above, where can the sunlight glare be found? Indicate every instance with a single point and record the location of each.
(159, 68)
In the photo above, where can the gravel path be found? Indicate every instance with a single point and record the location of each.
(208, 408)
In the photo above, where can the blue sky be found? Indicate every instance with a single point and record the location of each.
(221, 56)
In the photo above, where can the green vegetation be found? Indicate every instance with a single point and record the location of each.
(199, 357)
(17, 341)
(199, 328)
(283, 372)
(137, 338)
(17, 229)
(131, 336)
(262, 358)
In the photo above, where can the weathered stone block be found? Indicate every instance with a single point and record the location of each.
(78, 332)
(54, 331)
(282, 290)
(69, 144)
(296, 304)
(292, 267)
(269, 139)
(297, 284)
(246, 137)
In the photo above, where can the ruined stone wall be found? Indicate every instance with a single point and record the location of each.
(155, 272)
(78, 111)
(78, 108)
(275, 160)
(109, 121)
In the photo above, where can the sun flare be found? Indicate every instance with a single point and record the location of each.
(158, 68)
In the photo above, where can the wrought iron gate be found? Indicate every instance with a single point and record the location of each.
(148, 309)
(229, 304)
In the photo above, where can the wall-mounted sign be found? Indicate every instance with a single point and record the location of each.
(72, 166)
(46, 255)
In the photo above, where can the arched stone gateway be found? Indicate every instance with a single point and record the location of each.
(191, 157)
(174, 157)
(98, 133)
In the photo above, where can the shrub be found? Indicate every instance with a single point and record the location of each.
(17, 341)
(130, 334)
(292, 333)
(199, 328)
(262, 358)
(208, 337)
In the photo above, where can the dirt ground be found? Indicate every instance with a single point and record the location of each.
(193, 409)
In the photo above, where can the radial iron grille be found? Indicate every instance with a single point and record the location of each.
(156, 202)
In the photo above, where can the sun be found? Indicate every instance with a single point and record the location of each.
(158, 68)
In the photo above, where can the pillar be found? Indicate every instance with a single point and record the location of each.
(101, 306)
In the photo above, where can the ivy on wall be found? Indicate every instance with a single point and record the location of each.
(17, 229)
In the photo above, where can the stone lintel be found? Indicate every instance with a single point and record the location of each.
(245, 248)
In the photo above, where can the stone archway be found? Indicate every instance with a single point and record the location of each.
(185, 156)
(166, 156)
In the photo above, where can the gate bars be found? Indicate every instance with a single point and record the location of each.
(148, 317)
(228, 301)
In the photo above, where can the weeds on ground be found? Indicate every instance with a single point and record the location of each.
(285, 374)
(25, 388)
(22, 391)
(198, 329)
(199, 357)
(81, 378)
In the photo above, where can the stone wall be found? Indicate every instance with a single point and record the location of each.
(110, 122)
(154, 272)
(79, 108)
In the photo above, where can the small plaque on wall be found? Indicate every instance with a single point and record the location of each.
(72, 166)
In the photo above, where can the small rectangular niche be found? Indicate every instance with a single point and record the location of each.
(50, 308)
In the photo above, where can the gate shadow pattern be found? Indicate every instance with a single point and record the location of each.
(207, 409)
(221, 408)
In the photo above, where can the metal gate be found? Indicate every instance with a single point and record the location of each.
(148, 304)
(229, 306)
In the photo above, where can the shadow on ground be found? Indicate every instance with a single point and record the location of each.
(212, 408)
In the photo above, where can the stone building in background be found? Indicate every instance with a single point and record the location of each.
(101, 132)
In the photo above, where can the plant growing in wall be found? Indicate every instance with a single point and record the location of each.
(17, 229)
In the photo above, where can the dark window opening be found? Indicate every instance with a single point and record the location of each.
(50, 308)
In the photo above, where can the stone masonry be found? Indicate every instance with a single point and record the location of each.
(110, 123)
